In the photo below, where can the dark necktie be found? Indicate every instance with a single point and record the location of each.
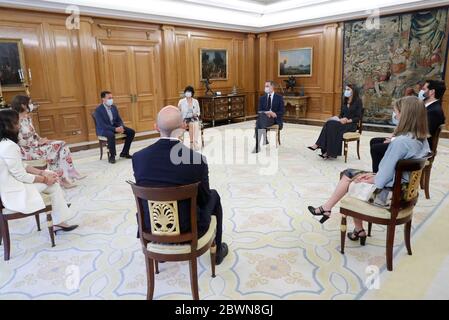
(269, 102)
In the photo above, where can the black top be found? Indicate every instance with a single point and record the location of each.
(353, 112)
(435, 118)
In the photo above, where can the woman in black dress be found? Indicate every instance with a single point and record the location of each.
(331, 137)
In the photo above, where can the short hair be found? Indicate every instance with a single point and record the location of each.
(272, 83)
(104, 94)
(439, 86)
(20, 103)
(190, 88)
(8, 120)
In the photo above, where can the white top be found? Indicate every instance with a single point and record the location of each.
(17, 190)
(189, 111)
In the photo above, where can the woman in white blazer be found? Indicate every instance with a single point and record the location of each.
(20, 186)
(190, 110)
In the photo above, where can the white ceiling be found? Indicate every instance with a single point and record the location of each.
(238, 15)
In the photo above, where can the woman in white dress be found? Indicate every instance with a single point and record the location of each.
(20, 186)
(190, 110)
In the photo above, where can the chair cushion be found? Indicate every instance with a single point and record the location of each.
(117, 136)
(427, 163)
(367, 209)
(36, 163)
(184, 248)
(351, 135)
(273, 127)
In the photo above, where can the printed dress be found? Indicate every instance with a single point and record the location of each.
(56, 153)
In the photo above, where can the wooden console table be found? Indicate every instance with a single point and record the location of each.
(295, 106)
(219, 108)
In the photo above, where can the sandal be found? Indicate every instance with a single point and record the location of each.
(321, 213)
(313, 149)
(355, 235)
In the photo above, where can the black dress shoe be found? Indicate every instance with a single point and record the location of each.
(126, 156)
(255, 150)
(111, 160)
(65, 229)
(221, 253)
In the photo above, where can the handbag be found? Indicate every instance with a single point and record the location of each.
(361, 190)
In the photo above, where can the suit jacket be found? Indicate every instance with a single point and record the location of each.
(154, 168)
(17, 190)
(277, 106)
(354, 112)
(435, 118)
(103, 123)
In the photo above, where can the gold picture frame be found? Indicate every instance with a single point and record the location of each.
(216, 62)
(12, 59)
(296, 62)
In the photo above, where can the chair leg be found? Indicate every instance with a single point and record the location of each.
(101, 150)
(343, 233)
(390, 242)
(150, 278)
(279, 137)
(50, 229)
(156, 265)
(346, 151)
(202, 138)
(427, 182)
(407, 232)
(38, 222)
(213, 255)
(370, 226)
(194, 278)
(358, 149)
(6, 239)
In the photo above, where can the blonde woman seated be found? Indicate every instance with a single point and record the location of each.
(190, 110)
(55, 153)
(20, 187)
(410, 142)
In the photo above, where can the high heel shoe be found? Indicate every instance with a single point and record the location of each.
(313, 149)
(321, 213)
(355, 235)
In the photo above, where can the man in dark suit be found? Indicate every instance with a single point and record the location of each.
(163, 164)
(270, 112)
(432, 93)
(109, 123)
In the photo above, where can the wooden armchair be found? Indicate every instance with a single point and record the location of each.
(405, 197)
(276, 128)
(164, 241)
(425, 178)
(353, 136)
(103, 141)
(4, 228)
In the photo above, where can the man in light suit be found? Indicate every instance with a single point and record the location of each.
(109, 123)
(270, 112)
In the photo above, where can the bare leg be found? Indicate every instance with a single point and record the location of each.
(339, 193)
(191, 132)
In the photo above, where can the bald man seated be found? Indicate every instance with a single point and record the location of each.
(167, 163)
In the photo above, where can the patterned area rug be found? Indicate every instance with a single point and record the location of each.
(277, 249)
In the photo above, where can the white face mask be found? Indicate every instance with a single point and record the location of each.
(267, 90)
(394, 119)
(109, 102)
(348, 93)
(188, 94)
(31, 107)
(422, 95)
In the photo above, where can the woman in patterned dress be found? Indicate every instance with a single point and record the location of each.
(56, 153)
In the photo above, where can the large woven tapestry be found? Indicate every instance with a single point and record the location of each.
(400, 52)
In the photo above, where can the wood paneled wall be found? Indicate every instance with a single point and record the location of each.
(147, 66)
(324, 86)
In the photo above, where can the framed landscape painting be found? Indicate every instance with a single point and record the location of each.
(295, 62)
(214, 64)
(12, 64)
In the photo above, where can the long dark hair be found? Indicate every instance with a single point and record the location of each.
(20, 103)
(355, 95)
(9, 119)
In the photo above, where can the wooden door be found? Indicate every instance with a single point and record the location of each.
(145, 87)
(129, 72)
